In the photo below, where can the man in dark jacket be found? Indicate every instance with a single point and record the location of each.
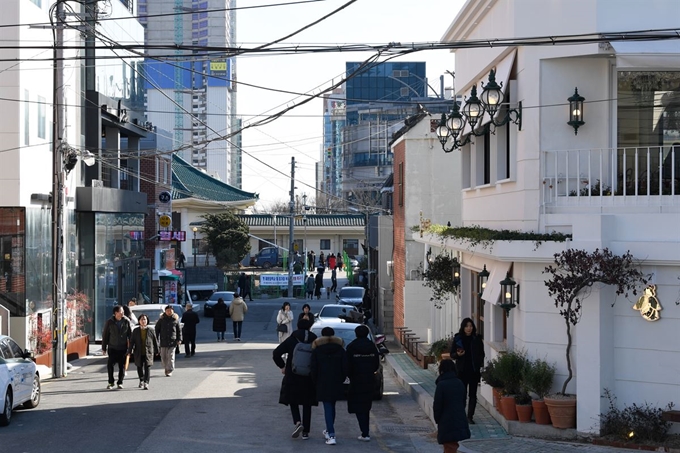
(296, 390)
(169, 337)
(329, 369)
(363, 362)
(189, 320)
(115, 341)
(449, 408)
(242, 284)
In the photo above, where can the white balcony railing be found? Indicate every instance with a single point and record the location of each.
(614, 176)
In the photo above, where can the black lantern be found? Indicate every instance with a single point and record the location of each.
(509, 294)
(455, 266)
(482, 278)
(428, 256)
(492, 94)
(474, 109)
(451, 128)
(576, 111)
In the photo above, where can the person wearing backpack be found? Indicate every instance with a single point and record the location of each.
(329, 370)
(297, 389)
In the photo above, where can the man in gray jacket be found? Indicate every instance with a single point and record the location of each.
(115, 341)
(169, 337)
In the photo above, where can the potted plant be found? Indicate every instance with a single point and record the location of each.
(491, 378)
(574, 272)
(509, 368)
(440, 349)
(40, 339)
(538, 379)
(523, 406)
(78, 312)
(438, 277)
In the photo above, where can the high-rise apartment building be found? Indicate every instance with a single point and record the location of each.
(193, 94)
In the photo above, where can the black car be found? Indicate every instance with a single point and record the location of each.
(209, 305)
(345, 331)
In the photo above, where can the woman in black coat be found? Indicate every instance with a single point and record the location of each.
(220, 312)
(363, 361)
(143, 347)
(318, 284)
(449, 408)
(296, 390)
(468, 351)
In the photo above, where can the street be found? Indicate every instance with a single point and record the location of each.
(225, 398)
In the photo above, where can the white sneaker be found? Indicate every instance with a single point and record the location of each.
(364, 439)
(325, 434)
(330, 441)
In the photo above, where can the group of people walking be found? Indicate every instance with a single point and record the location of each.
(331, 262)
(322, 379)
(237, 310)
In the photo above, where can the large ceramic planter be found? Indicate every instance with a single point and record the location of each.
(497, 392)
(562, 411)
(509, 407)
(524, 412)
(78, 347)
(541, 414)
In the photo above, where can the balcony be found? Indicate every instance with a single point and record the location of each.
(644, 179)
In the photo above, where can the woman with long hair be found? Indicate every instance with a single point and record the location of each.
(285, 318)
(468, 351)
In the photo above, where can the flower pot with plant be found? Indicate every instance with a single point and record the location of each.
(574, 273)
(509, 368)
(438, 277)
(524, 408)
(440, 347)
(538, 378)
(491, 378)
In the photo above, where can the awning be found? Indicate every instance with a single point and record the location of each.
(502, 69)
(647, 54)
(493, 284)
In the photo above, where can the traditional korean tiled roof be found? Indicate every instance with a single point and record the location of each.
(313, 220)
(190, 182)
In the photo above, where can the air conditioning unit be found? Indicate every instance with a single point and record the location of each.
(390, 268)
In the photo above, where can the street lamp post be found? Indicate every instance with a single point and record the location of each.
(195, 247)
(304, 220)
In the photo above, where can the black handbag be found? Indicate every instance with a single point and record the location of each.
(282, 328)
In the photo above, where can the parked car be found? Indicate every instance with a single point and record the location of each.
(154, 311)
(19, 379)
(351, 295)
(345, 331)
(209, 305)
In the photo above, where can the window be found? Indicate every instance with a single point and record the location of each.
(41, 117)
(27, 118)
(325, 244)
(350, 246)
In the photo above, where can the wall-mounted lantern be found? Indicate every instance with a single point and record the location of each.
(482, 278)
(456, 273)
(576, 111)
(509, 294)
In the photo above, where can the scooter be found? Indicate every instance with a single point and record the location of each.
(380, 344)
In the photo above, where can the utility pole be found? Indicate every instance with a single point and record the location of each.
(291, 228)
(58, 325)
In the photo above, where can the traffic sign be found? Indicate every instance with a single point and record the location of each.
(164, 221)
(164, 197)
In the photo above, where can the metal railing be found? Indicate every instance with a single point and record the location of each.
(652, 171)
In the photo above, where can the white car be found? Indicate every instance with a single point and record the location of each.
(19, 379)
(154, 312)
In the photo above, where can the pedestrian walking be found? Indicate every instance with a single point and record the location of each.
(306, 313)
(220, 312)
(340, 262)
(181, 260)
(115, 343)
(332, 262)
(296, 389)
(363, 362)
(237, 312)
(322, 260)
(284, 318)
(189, 320)
(334, 280)
(246, 292)
(312, 262)
(169, 337)
(309, 286)
(329, 369)
(449, 408)
(241, 285)
(318, 284)
(143, 348)
(468, 351)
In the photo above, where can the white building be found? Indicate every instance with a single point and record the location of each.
(616, 184)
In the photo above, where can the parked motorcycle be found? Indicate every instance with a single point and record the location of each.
(380, 344)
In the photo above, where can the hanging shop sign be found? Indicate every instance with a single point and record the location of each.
(648, 305)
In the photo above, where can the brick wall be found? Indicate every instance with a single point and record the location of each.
(399, 254)
(148, 185)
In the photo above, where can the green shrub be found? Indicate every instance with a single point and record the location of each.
(440, 347)
(509, 369)
(634, 423)
(538, 377)
(490, 375)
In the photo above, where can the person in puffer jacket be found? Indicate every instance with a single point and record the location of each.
(169, 337)
(115, 341)
(329, 369)
(237, 311)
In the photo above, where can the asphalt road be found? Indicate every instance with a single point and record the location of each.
(224, 399)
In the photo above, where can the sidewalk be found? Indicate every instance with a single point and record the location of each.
(488, 436)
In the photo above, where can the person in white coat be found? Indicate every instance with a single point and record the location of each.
(285, 318)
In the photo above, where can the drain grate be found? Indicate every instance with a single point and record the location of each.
(404, 429)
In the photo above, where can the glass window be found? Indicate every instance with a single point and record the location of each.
(41, 117)
(325, 244)
(350, 246)
(16, 350)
